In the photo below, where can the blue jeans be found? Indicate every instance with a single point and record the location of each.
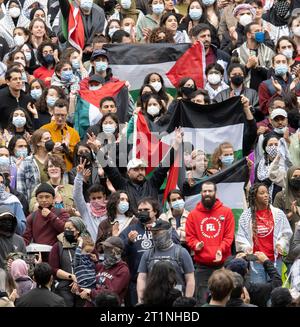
(258, 274)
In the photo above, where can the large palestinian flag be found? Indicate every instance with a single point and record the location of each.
(172, 61)
(206, 126)
(230, 188)
(87, 106)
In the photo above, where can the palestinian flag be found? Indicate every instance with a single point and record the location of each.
(205, 127)
(73, 28)
(172, 61)
(87, 106)
(230, 188)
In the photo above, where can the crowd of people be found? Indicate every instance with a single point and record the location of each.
(76, 232)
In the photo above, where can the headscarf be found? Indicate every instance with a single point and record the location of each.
(19, 269)
(79, 225)
(290, 194)
(244, 6)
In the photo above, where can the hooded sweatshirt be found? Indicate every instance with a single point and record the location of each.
(215, 227)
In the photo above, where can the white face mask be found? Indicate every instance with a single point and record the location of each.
(127, 29)
(288, 53)
(109, 128)
(296, 30)
(27, 55)
(14, 12)
(19, 40)
(112, 30)
(246, 19)
(156, 85)
(153, 110)
(126, 4)
(214, 78)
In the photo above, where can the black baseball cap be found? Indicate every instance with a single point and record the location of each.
(99, 53)
(160, 224)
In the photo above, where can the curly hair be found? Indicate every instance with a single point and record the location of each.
(112, 206)
(216, 162)
(253, 204)
(154, 36)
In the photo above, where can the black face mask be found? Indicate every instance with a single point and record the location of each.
(295, 183)
(145, 97)
(7, 225)
(87, 157)
(69, 236)
(49, 145)
(187, 90)
(143, 217)
(237, 80)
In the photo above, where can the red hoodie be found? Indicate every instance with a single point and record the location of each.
(215, 227)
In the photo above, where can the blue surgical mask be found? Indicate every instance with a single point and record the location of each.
(260, 37)
(24, 77)
(4, 161)
(19, 121)
(195, 13)
(178, 204)
(109, 128)
(123, 207)
(22, 153)
(36, 93)
(51, 101)
(75, 64)
(158, 8)
(101, 66)
(208, 3)
(227, 160)
(281, 69)
(67, 75)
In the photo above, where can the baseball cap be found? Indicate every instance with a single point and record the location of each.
(114, 241)
(160, 224)
(278, 112)
(4, 211)
(97, 78)
(99, 53)
(134, 163)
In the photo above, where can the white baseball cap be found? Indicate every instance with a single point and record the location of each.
(134, 163)
(278, 112)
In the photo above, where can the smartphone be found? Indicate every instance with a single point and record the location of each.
(251, 257)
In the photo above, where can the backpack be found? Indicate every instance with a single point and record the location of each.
(151, 259)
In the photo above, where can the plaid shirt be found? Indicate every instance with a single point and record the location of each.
(28, 177)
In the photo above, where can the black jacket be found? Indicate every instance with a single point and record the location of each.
(149, 187)
(40, 297)
(260, 293)
(8, 103)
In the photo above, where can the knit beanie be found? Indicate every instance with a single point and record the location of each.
(45, 187)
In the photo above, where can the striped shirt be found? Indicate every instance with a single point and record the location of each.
(84, 269)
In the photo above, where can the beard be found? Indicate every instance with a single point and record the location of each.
(208, 202)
